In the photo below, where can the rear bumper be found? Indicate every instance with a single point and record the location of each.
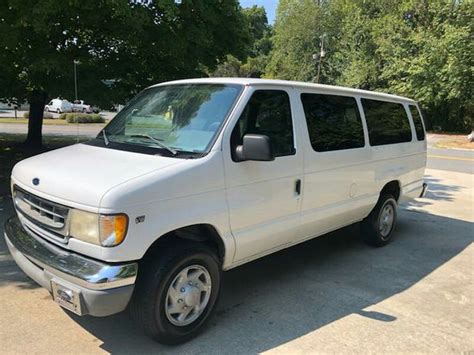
(102, 289)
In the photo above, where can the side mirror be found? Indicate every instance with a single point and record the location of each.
(255, 147)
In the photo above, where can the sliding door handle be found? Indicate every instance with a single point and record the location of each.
(298, 187)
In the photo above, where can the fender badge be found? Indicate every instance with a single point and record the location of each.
(35, 181)
(139, 219)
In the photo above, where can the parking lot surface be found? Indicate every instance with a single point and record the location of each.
(332, 294)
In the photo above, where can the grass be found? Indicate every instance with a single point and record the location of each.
(12, 150)
(47, 121)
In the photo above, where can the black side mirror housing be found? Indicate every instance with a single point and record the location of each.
(255, 147)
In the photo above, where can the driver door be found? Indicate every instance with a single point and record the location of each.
(264, 197)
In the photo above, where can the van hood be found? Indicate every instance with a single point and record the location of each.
(80, 175)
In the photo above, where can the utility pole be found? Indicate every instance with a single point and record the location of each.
(322, 54)
(76, 62)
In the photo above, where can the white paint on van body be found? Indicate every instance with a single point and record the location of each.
(252, 205)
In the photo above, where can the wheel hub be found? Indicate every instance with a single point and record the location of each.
(192, 296)
(188, 295)
(386, 220)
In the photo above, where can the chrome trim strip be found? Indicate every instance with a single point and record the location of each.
(49, 216)
(31, 203)
(72, 267)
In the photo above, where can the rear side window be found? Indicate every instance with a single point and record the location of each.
(268, 112)
(417, 121)
(387, 122)
(334, 122)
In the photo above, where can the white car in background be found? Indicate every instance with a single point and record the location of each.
(59, 106)
(80, 106)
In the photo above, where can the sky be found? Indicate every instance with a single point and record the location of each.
(269, 5)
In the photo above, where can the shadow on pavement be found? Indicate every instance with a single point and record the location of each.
(284, 296)
(437, 191)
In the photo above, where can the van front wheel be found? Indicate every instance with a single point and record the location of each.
(378, 227)
(177, 292)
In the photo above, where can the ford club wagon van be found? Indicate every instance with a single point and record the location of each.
(196, 177)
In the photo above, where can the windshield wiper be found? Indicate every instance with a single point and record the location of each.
(106, 140)
(156, 141)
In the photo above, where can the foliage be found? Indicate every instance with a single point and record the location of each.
(258, 48)
(420, 49)
(122, 46)
(83, 118)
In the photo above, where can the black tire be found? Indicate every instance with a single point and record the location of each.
(155, 276)
(371, 225)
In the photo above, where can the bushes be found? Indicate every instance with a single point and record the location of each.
(45, 115)
(82, 118)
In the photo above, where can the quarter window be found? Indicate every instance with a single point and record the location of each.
(268, 112)
(387, 122)
(417, 121)
(334, 122)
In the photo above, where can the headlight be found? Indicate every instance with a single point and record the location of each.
(99, 229)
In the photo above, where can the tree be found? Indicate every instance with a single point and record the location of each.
(123, 46)
(298, 30)
(258, 47)
(427, 47)
(417, 48)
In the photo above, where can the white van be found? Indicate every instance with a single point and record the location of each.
(59, 106)
(199, 176)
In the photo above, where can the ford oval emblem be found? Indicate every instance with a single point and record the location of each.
(36, 181)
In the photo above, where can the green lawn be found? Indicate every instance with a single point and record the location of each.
(12, 151)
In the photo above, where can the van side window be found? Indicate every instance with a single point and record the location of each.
(268, 112)
(334, 122)
(417, 120)
(387, 122)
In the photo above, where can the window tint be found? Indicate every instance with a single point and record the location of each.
(387, 122)
(267, 112)
(417, 120)
(334, 122)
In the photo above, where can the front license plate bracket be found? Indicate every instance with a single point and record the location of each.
(66, 296)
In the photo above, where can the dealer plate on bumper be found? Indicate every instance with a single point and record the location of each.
(66, 297)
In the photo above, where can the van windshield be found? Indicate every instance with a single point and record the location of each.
(176, 118)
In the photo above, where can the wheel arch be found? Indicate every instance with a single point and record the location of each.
(392, 187)
(202, 233)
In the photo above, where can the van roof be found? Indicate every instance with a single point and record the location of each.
(295, 84)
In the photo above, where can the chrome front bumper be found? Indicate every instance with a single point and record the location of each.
(103, 288)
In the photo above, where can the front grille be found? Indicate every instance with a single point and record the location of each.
(41, 212)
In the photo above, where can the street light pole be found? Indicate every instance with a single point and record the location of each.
(76, 62)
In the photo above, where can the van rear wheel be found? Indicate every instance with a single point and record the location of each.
(177, 292)
(378, 227)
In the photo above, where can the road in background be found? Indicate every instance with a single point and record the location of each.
(82, 129)
(451, 159)
(20, 114)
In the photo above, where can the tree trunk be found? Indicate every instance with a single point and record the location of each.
(37, 101)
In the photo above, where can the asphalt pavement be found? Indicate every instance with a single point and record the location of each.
(333, 294)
